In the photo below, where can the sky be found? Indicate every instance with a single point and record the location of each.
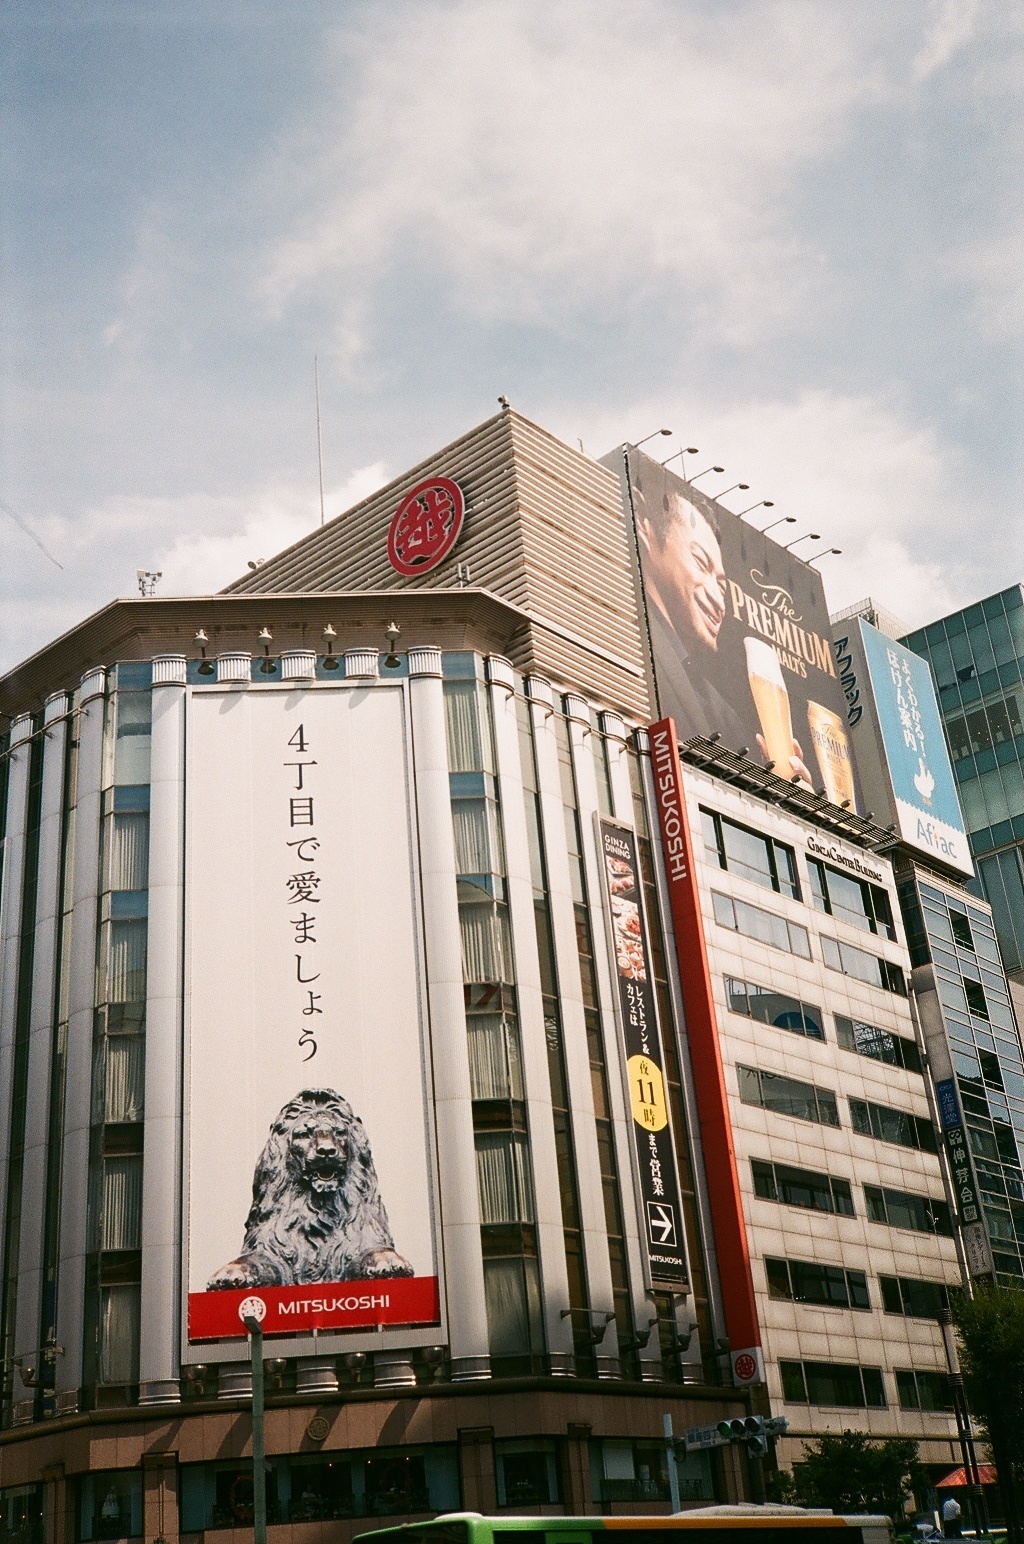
(789, 230)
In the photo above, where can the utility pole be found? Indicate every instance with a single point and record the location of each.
(259, 1463)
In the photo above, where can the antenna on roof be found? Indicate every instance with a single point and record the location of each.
(319, 442)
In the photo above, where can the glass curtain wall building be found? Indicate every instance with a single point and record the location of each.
(977, 660)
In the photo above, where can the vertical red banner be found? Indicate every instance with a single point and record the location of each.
(737, 1282)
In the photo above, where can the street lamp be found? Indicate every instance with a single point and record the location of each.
(259, 1462)
(807, 536)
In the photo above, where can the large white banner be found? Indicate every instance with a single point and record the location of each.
(308, 1170)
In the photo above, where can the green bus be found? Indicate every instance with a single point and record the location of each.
(702, 1525)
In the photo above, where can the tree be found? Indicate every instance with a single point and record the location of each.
(990, 1326)
(851, 1473)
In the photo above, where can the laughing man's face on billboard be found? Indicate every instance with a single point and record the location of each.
(684, 573)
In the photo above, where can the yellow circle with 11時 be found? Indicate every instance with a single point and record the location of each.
(647, 1093)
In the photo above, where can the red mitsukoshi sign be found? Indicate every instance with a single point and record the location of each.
(425, 526)
(330, 1305)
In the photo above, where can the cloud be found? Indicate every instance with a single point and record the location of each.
(951, 31)
(863, 474)
(540, 158)
(197, 542)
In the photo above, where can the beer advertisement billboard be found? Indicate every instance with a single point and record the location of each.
(308, 1179)
(740, 635)
(893, 717)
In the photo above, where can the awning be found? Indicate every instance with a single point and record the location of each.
(957, 1479)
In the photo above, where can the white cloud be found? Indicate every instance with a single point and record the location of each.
(197, 542)
(952, 28)
(536, 155)
(860, 472)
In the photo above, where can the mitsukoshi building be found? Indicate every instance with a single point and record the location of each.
(462, 944)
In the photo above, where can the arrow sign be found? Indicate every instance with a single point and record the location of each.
(662, 1222)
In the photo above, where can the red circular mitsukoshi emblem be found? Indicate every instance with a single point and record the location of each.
(745, 1367)
(425, 526)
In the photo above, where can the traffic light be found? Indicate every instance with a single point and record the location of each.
(754, 1430)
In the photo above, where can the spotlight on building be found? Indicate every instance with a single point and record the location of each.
(808, 536)
(691, 450)
(827, 554)
(330, 659)
(652, 436)
(206, 666)
(706, 470)
(392, 633)
(784, 520)
(761, 504)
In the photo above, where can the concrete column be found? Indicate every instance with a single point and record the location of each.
(81, 1011)
(160, 1341)
(615, 734)
(456, 1155)
(42, 1028)
(607, 991)
(10, 931)
(540, 1120)
(574, 1029)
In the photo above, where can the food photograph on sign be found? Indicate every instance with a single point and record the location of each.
(309, 1176)
(740, 636)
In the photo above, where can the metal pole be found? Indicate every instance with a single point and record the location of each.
(259, 1464)
(673, 1472)
(965, 1435)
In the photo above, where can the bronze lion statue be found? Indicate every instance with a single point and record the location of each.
(316, 1210)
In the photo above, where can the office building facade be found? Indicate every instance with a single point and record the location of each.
(342, 975)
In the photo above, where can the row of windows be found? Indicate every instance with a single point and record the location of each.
(779, 933)
(772, 864)
(805, 1101)
(783, 1011)
(862, 1388)
(834, 1286)
(827, 1193)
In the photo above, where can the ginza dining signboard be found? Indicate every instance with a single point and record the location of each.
(661, 1209)
(308, 1176)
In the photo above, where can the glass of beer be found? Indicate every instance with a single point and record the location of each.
(832, 748)
(771, 700)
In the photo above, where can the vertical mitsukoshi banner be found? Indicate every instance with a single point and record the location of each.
(662, 1213)
(309, 1190)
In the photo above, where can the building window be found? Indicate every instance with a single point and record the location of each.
(901, 1209)
(804, 1281)
(110, 1505)
(753, 922)
(851, 900)
(528, 1472)
(912, 1298)
(750, 855)
(888, 1125)
(786, 1096)
(21, 1514)
(802, 1187)
(833, 1383)
(880, 1044)
(923, 1390)
(863, 966)
(776, 1008)
(322, 1487)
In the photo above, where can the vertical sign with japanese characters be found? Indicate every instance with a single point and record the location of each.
(965, 1181)
(662, 1217)
(309, 1179)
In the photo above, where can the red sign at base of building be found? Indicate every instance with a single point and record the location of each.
(425, 526)
(330, 1305)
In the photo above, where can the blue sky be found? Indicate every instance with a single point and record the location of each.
(787, 229)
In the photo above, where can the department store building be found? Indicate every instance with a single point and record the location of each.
(358, 964)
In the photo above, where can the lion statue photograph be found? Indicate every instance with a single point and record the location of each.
(316, 1210)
